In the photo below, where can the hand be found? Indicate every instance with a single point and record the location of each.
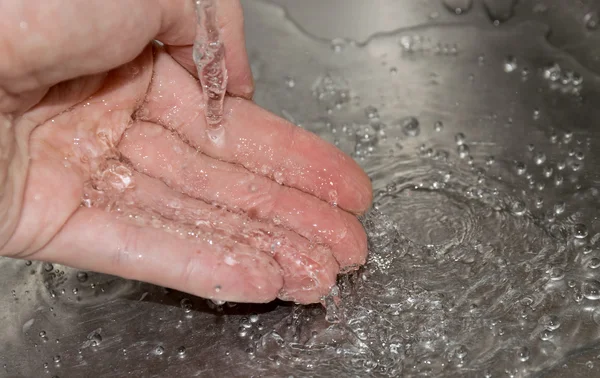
(106, 163)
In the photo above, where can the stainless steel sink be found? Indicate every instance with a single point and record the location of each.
(481, 140)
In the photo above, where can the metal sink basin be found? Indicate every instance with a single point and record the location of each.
(478, 124)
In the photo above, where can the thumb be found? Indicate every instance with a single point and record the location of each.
(44, 43)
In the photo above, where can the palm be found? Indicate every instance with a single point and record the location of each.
(164, 202)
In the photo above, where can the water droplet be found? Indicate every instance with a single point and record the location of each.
(186, 305)
(218, 302)
(520, 167)
(591, 290)
(290, 82)
(42, 334)
(27, 263)
(438, 126)
(549, 322)
(217, 288)
(181, 351)
(490, 160)
(458, 6)
(523, 354)
(159, 350)
(557, 273)
(558, 180)
(461, 352)
(459, 138)
(539, 202)
(57, 359)
(463, 151)
(580, 231)
(518, 207)
(95, 338)
(589, 365)
(253, 318)
(539, 158)
(82, 276)
(510, 64)
(48, 267)
(499, 11)
(410, 126)
(594, 263)
(591, 20)
(547, 172)
(338, 45)
(546, 335)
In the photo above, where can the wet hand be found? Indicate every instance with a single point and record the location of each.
(107, 163)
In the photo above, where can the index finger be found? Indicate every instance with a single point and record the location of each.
(257, 140)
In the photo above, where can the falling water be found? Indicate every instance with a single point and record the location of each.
(209, 57)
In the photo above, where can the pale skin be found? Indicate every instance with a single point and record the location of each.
(267, 211)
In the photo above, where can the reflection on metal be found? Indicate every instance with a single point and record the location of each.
(482, 146)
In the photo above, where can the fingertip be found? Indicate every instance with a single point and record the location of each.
(351, 250)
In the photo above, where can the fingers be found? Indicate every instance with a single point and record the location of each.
(256, 140)
(44, 43)
(159, 153)
(100, 241)
(309, 271)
